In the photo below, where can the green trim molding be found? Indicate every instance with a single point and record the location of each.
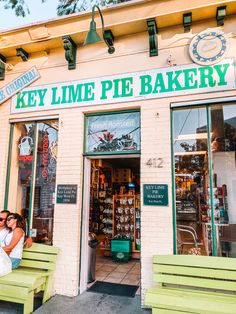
(70, 51)
(8, 167)
(153, 41)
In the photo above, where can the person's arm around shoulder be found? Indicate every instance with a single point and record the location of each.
(18, 233)
(28, 242)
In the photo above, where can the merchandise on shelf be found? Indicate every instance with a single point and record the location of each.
(126, 219)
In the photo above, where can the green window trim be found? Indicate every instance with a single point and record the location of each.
(173, 185)
(32, 182)
(213, 229)
(8, 167)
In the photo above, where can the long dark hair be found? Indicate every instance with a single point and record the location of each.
(20, 223)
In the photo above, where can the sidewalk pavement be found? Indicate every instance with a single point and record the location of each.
(86, 303)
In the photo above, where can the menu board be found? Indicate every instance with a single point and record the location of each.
(66, 193)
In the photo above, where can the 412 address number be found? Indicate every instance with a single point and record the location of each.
(155, 162)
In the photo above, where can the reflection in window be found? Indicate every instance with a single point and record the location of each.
(115, 132)
(205, 213)
(21, 168)
(45, 181)
(33, 175)
(223, 146)
(191, 181)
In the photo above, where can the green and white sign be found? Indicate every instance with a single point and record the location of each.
(18, 84)
(157, 83)
(155, 194)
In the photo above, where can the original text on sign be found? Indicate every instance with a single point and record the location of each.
(18, 84)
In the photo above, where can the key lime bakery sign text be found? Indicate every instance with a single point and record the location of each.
(164, 82)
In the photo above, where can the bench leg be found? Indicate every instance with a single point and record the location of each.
(29, 303)
(47, 291)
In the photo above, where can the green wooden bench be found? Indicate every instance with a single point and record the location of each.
(193, 284)
(33, 275)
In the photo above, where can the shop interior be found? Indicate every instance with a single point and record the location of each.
(114, 220)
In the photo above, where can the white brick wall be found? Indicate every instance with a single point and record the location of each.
(67, 217)
(156, 221)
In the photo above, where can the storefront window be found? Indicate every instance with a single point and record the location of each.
(204, 179)
(223, 147)
(113, 133)
(33, 175)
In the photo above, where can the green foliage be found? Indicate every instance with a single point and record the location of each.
(19, 6)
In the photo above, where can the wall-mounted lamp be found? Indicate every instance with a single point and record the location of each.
(220, 15)
(187, 21)
(93, 37)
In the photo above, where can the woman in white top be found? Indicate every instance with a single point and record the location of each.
(14, 241)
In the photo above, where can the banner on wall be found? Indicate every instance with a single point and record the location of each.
(155, 83)
(18, 84)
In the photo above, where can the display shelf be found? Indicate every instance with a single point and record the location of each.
(106, 216)
(126, 218)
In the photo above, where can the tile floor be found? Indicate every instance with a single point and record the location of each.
(124, 273)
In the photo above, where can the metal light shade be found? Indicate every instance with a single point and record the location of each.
(92, 36)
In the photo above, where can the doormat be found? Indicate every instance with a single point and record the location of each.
(114, 289)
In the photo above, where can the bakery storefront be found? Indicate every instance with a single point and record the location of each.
(122, 162)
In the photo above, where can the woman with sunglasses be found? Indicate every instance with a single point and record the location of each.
(14, 241)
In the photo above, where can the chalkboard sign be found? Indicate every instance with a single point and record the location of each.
(155, 194)
(67, 193)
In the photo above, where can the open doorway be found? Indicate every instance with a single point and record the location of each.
(114, 221)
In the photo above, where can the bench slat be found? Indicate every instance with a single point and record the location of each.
(190, 301)
(12, 299)
(196, 282)
(212, 262)
(165, 311)
(19, 279)
(39, 256)
(42, 248)
(37, 264)
(40, 272)
(194, 271)
(18, 292)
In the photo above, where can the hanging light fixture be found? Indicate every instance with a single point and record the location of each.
(93, 36)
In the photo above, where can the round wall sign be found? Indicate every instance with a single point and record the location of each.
(208, 47)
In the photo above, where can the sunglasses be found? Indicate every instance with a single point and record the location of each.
(2, 219)
(10, 218)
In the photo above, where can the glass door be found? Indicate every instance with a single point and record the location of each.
(192, 181)
(223, 150)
